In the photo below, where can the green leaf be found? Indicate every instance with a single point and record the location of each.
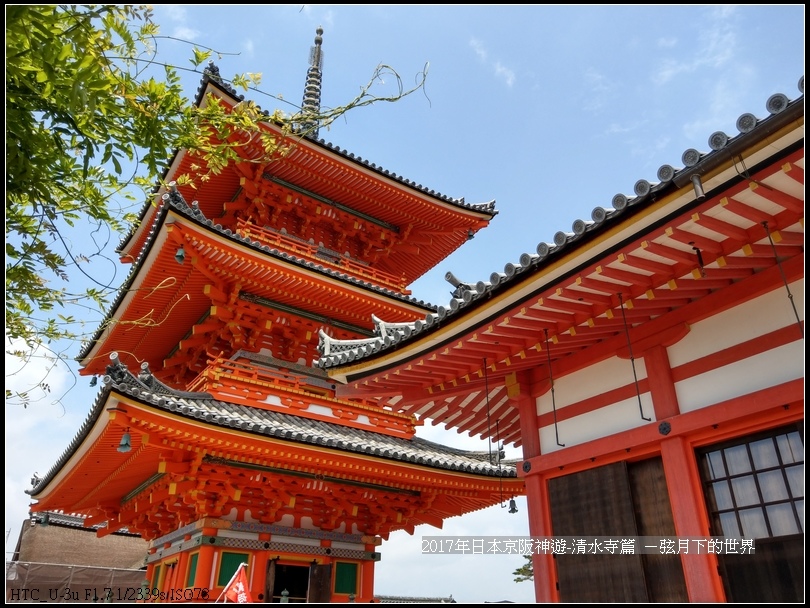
(79, 111)
(67, 51)
(199, 57)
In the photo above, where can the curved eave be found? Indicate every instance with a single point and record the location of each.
(644, 252)
(309, 147)
(159, 290)
(435, 224)
(92, 472)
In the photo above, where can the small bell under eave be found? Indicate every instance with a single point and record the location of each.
(126, 443)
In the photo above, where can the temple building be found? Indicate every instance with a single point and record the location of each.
(649, 360)
(214, 436)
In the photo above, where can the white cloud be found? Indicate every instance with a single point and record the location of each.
(180, 30)
(599, 90)
(175, 12)
(185, 33)
(720, 106)
(667, 43)
(717, 45)
(249, 48)
(479, 49)
(668, 70)
(723, 11)
(661, 143)
(42, 375)
(505, 73)
(37, 435)
(615, 128)
(501, 71)
(488, 578)
(328, 19)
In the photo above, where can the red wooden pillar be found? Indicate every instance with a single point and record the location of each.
(536, 490)
(661, 383)
(258, 573)
(367, 577)
(703, 582)
(203, 578)
(168, 572)
(179, 578)
(545, 586)
(150, 569)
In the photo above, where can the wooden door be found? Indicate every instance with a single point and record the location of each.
(596, 502)
(270, 580)
(653, 513)
(320, 583)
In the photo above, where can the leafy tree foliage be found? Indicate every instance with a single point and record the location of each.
(92, 118)
(525, 572)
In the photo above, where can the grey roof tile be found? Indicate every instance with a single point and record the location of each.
(174, 200)
(781, 111)
(202, 406)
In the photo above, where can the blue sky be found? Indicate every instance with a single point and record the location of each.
(548, 110)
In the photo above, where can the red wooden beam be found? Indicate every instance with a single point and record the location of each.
(743, 210)
(723, 228)
(656, 268)
(783, 199)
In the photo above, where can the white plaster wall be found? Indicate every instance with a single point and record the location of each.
(272, 400)
(295, 540)
(774, 367)
(747, 321)
(237, 534)
(616, 418)
(750, 320)
(289, 521)
(349, 546)
(320, 409)
(605, 376)
(755, 318)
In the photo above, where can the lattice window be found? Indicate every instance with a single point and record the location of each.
(755, 486)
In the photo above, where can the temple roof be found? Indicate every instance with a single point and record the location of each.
(468, 295)
(726, 226)
(149, 391)
(211, 78)
(57, 518)
(412, 599)
(173, 201)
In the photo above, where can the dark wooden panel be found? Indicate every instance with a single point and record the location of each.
(653, 511)
(596, 502)
(270, 580)
(773, 574)
(320, 583)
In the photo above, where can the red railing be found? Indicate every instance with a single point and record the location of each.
(310, 252)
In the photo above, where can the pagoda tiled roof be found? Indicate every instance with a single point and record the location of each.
(173, 200)
(413, 599)
(467, 295)
(212, 77)
(202, 407)
(66, 520)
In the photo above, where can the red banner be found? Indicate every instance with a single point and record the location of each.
(237, 590)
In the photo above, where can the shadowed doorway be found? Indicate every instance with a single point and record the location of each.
(295, 583)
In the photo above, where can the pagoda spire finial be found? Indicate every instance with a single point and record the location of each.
(311, 106)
